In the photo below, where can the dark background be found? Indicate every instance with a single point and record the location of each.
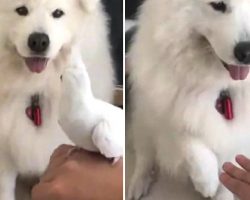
(115, 10)
(131, 14)
(131, 8)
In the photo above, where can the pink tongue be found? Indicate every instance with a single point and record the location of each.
(238, 72)
(36, 64)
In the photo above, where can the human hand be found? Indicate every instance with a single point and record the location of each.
(237, 180)
(80, 176)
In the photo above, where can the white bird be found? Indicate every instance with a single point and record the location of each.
(90, 123)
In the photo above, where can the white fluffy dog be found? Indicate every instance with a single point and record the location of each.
(191, 91)
(43, 82)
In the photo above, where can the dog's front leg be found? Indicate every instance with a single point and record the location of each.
(202, 166)
(7, 182)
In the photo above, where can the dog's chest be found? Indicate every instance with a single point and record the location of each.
(232, 115)
(28, 144)
(17, 109)
(232, 107)
(197, 115)
(194, 112)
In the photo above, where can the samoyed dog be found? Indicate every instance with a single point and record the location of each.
(191, 91)
(48, 50)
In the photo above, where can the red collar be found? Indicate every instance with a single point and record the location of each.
(34, 111)
(224, 105)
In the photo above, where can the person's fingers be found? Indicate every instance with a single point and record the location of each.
(42, 191)
(61, 151)
(57, 159)
(59, 156)
(86, 156)
(236, 172)
(235, 186)
(50, 191)
(244, 162)
(50, 175)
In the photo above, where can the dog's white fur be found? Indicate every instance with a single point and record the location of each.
(98, 62)
(177, 76)
(24, 148)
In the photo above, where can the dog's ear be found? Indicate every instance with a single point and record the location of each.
(89, 5)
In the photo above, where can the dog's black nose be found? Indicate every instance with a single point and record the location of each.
(242, 52)
(38, 42)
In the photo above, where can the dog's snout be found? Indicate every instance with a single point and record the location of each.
(38, 42)
(242, 52)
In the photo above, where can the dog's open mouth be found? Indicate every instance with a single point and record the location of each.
(237, 72)
(36, 64)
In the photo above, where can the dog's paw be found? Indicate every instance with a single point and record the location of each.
(203, 173)
(207, 188)
(104, 139)
(207, 184)
(139, 187)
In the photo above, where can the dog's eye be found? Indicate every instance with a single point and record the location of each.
(23, 11)
(57, 13)
(219, 6)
